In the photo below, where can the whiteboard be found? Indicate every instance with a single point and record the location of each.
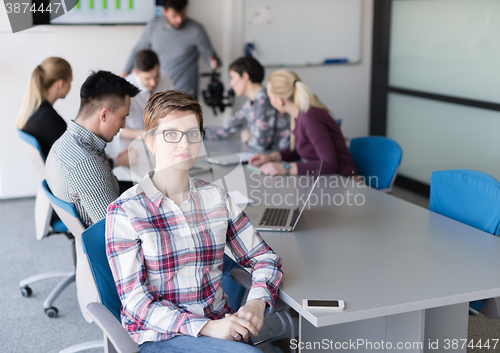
(298, 32)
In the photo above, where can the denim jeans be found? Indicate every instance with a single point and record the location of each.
(234, 291)
(201, 344)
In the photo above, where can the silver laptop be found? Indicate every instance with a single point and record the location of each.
(280, 219)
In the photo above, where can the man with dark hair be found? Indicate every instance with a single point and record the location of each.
(264, 128)
(178, 41)
(78, 171)
(147, 76)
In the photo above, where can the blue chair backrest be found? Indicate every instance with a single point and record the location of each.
(468, 196)
(66, 206)
(377, 159)
(94, 245)
(31, 140)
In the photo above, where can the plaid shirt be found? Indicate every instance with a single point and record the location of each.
(269, 129)
(167, 260)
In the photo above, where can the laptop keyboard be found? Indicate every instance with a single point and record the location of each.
(294, 216)
(275, 217)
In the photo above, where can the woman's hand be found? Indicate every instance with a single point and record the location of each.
(245, 136)
(274, 168)
(253, 312)
(260, 158)
(127, 157)
(230, 328)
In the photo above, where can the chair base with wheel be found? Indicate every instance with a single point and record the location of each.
(46, 224)
(68, 277)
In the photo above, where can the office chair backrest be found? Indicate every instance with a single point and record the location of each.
(94, 245)
(85, 287)
(32, 147)
(468, 196)
(43, 209)
(377, 159)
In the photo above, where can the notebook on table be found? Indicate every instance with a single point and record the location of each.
(228, 159)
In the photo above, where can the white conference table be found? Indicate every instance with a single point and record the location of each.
(406, 274)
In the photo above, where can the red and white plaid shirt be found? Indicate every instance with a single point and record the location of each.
(167, 260)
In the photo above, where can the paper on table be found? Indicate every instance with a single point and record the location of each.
(228, 159)
(239, 198)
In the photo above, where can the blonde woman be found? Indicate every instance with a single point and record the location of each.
(316, 136)
(49, 81)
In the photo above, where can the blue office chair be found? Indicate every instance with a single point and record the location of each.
(106, 314)
(46, 224)
(473, 198)
(377, 159)
(85, 288)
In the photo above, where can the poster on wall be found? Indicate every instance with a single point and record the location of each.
(107, 12)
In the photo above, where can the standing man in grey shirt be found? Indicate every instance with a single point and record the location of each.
(178, 41)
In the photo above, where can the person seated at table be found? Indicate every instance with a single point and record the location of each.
(316, 135)
(165, 240)
(147, 76)
(50, 81)
(264, 128)
(77, 168)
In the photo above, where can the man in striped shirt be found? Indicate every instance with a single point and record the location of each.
(77, 168)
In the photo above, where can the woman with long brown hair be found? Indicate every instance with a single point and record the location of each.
(49, 81)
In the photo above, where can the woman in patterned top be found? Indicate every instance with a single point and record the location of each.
(264, 128)
(165, 240)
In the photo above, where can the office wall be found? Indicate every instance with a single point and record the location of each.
(444, 86)
(344, 89)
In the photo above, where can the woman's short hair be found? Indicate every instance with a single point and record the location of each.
(251, 66)
(163, 103)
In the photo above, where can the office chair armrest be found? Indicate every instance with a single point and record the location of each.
(112, 328)
(244, 278)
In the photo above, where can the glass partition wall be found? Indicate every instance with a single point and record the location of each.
(436, 84)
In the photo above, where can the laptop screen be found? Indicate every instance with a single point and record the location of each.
(303, 204)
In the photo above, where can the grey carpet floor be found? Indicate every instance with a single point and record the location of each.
(27, 329)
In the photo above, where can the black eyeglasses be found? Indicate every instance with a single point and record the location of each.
(175, 136)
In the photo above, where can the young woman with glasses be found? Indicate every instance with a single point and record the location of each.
(165, 244)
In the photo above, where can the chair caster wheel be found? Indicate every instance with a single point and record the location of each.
(51, 312)
(26, 291)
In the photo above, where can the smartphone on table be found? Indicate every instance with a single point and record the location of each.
(323, 304)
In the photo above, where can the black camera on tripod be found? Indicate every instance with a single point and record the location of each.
(214, 94)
